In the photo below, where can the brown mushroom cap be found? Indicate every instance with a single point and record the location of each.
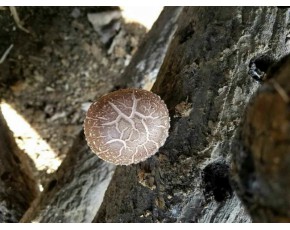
(127, 126)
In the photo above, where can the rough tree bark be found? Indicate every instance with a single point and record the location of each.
(261, 150)
(204, 82)
(77, 189)
(143, 69)
(17, 187)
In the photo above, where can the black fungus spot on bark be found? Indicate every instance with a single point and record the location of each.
(216, 181)
(260, 65)
(263, 62)
(186, 33)
(51, 185)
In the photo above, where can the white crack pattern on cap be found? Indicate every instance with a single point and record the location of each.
(127, 126)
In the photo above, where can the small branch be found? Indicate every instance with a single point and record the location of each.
(16, 19)
(6, 54)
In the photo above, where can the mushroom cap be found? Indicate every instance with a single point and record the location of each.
(127, 126)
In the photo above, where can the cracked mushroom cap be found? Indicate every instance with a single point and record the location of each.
(127, 126)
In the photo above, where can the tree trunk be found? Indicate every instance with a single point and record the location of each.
(204, 82)
(77, 189)
(143, 69)
(17, 187)
(261, 150)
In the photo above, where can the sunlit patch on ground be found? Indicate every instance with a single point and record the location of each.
(145, 15)
(29, 141)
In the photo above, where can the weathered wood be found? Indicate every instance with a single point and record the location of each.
(204, 82)
(261, 150)
(17, 187)
(78, 187)
(143, 69)
(76, 190)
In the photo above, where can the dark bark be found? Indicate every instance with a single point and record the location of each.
(204, 82)
(143, 69)
(261, 150)
(17, 187)
(77, 189)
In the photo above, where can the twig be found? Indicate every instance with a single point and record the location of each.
(16, 18)
(6, 54)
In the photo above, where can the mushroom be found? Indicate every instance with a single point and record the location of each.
(127, 126)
